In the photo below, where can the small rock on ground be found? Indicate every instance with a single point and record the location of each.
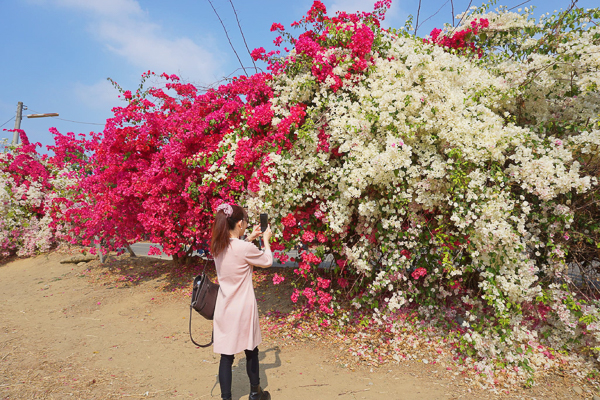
(79, 259)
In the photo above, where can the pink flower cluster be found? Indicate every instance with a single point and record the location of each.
(419, 272)
(277, 27)
(154, 251)
(144, 180)
(308, 236)
(323, 283)
(282, 257)
(314, 43)
(289, 221)
(277, 279)
(150, 174)
(461, 40)
(35, 186)
(295, 295)
(342, 282)
(309, 257)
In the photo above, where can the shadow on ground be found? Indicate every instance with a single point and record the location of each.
(122, 272)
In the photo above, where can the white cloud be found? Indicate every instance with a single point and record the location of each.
(126, 30)
(142, 45)
(106, 8)
(101, 95)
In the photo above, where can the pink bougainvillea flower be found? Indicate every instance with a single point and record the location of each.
(323, 283)
(295, 295)
(342, 282)
(277, 279)
(289, 220)
(308, 236)
(277, 27)
(258, 53)
(154, 251)
(321, 237)
(419, 272)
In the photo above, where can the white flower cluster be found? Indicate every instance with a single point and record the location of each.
(434, 168)
(25, 214)
(429, 131)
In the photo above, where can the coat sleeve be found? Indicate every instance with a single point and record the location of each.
(258, 258)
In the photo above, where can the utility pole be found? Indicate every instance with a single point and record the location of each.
(20, 108)
(15, 140)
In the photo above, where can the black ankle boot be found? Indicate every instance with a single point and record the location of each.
(256, 393)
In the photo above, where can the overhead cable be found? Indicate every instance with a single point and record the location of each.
(11, 118)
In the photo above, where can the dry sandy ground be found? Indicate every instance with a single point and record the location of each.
(64, 335)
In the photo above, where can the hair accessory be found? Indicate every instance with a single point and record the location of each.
(226, 208)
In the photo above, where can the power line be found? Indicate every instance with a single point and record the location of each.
(11, 118)
(243, 37)
(227, 34)
(519, 5)
(68, 120)
(79, 122)
(433, 15)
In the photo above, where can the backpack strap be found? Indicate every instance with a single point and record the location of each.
(212, 336)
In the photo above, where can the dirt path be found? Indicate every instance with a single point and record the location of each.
(62, 336)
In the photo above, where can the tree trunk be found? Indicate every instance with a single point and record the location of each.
(99, 251)
(131, 253)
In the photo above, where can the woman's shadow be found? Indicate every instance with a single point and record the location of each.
(240, 386)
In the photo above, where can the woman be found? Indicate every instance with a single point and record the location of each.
(236, 326)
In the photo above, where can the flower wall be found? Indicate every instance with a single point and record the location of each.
(140, 185)
(455, 176)
(33, 189)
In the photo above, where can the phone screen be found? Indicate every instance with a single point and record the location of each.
(264, 222)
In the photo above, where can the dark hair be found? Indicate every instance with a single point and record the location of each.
(222, 226)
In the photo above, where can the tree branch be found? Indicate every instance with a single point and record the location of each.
(417, 22)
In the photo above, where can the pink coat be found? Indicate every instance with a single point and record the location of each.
(236, 326)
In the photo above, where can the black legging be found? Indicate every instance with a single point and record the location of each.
(225, 371)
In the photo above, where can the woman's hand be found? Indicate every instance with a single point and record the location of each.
(267, 234)
(256, 232)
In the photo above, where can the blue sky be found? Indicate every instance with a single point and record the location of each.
(58, 54)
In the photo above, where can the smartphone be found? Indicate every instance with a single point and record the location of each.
(264, 222)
